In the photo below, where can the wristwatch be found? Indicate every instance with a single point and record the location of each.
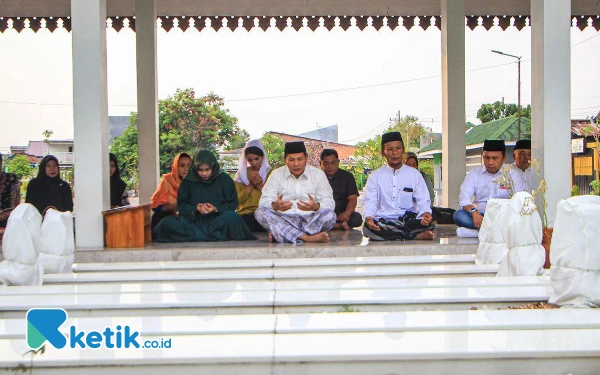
(473, 209)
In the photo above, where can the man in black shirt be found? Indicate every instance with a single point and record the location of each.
(345, 192)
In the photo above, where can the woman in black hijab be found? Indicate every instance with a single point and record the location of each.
(48, 190)
(118, 187)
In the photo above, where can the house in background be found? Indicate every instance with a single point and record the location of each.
(315, 146)
(585, 159)
(62, 149)
(328, 133)
(505, 129)
(18, 150)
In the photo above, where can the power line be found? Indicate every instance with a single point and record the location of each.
(369, 132)
(583, 41)
(316, 92)
(357, 87)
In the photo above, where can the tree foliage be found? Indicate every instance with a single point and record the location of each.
(186, 124)
(20, 166)
(275, 147)
(238, 140)
(497, 110)
(368, 153)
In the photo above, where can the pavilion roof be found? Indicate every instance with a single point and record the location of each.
(62, 8)
(504, 128)
(53, 14)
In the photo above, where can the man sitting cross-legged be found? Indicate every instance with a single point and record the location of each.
(480, 185)
(345, 192)
(297, 201)
(396, 203)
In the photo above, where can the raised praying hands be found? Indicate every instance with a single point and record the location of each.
(281, 205)
(311, 205)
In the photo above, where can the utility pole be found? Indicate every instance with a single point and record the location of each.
(518, 89)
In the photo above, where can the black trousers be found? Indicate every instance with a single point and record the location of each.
(252, 223)
(158, 216)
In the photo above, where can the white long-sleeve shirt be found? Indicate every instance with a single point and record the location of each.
(480, 186)
(524, 180)
(313, 181)
(390, 193)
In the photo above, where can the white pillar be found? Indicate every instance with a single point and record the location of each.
(551, 96)
(90, 117)
(147, 97)
(453, 100)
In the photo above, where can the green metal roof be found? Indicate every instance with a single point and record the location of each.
(504, 128)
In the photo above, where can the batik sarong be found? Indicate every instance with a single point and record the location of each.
(289, 228)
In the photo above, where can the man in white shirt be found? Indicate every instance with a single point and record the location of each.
(297, 201)
(524, 177)
(396, 203)
(482, 184)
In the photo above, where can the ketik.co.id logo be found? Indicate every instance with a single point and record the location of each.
(44, 325)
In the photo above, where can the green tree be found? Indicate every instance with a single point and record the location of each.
(497, 110)
(411, 131)
(368, 153)
(238, 140)
(186, 124)
(47, 134)
(275, 147)
(20, 166)
(125, 147)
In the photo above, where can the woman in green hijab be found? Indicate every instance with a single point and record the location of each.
(206, 201)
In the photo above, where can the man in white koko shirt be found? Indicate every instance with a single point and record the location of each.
(297, 201)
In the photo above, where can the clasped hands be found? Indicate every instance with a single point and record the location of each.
(205, 208)
(281, 205)
(256, 180)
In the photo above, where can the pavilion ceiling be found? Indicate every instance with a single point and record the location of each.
(202, 14)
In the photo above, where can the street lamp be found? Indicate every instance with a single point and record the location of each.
(519, 88)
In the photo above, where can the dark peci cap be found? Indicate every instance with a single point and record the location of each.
(294, 148)
(494, 145)
(523, 144)
(391, 137)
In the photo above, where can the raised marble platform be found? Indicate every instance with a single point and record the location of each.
(341, 244)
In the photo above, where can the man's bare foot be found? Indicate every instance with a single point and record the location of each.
(271, 239)
(427, 235)
(322, 237)
(338, 226)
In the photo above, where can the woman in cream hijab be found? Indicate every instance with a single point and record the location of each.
(253, 171)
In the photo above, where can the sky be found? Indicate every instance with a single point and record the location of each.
(287, 81)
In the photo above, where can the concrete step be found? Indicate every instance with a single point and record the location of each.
(270, 272)
(279, 285)
(269, 301)
(466, 342)
(294, 262)
(407, 321)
